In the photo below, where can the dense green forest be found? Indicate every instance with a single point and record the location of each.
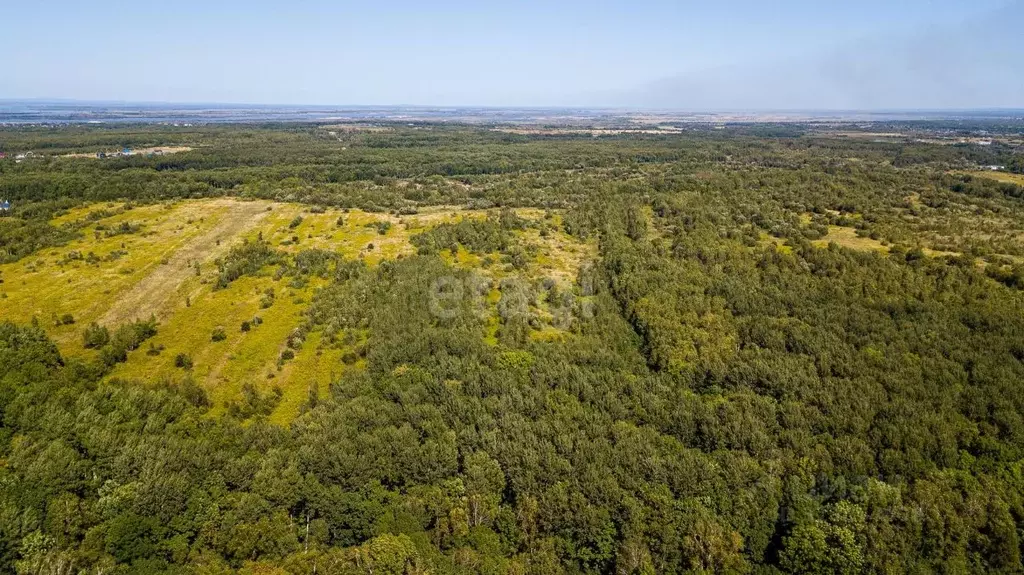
(793, 353)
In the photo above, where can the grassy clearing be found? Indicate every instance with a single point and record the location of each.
(82, 212)
(1004, 177)
(153, 293)
(92, 275)
(779, 244)
(559, 256)
(848, 238)
(314, 367)
(166, 268)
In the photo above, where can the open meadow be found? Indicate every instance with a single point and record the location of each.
(132, 262)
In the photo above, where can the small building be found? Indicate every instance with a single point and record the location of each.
(126, 151)
(5, 206)
(101, 155)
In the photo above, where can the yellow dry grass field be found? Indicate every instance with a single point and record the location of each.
(166, 268)
(848, 238)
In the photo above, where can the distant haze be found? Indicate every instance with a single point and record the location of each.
(796, 54)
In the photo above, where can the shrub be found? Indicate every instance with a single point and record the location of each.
(245, 259)
(268, 299)
(96, 336)
(218, 334)
(127, 338)
(254, 403)
(183, 361)
(381, 227)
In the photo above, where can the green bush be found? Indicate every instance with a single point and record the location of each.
(126, 338)
(96, 336)
(183, 361)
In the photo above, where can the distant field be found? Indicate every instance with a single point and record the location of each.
(142, 151)
(1000, 176)
(165, 267)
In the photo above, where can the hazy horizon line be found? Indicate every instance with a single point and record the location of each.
(90, 102)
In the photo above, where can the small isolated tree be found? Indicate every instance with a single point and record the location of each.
(183, 361)
(218, 334)
(96, 336)
(267, 300)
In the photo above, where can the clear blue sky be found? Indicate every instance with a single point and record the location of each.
(687, 54)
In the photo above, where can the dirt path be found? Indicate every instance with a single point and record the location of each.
(151, 295)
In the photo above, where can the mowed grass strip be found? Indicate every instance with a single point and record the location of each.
(152, 294)
(62, 280)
